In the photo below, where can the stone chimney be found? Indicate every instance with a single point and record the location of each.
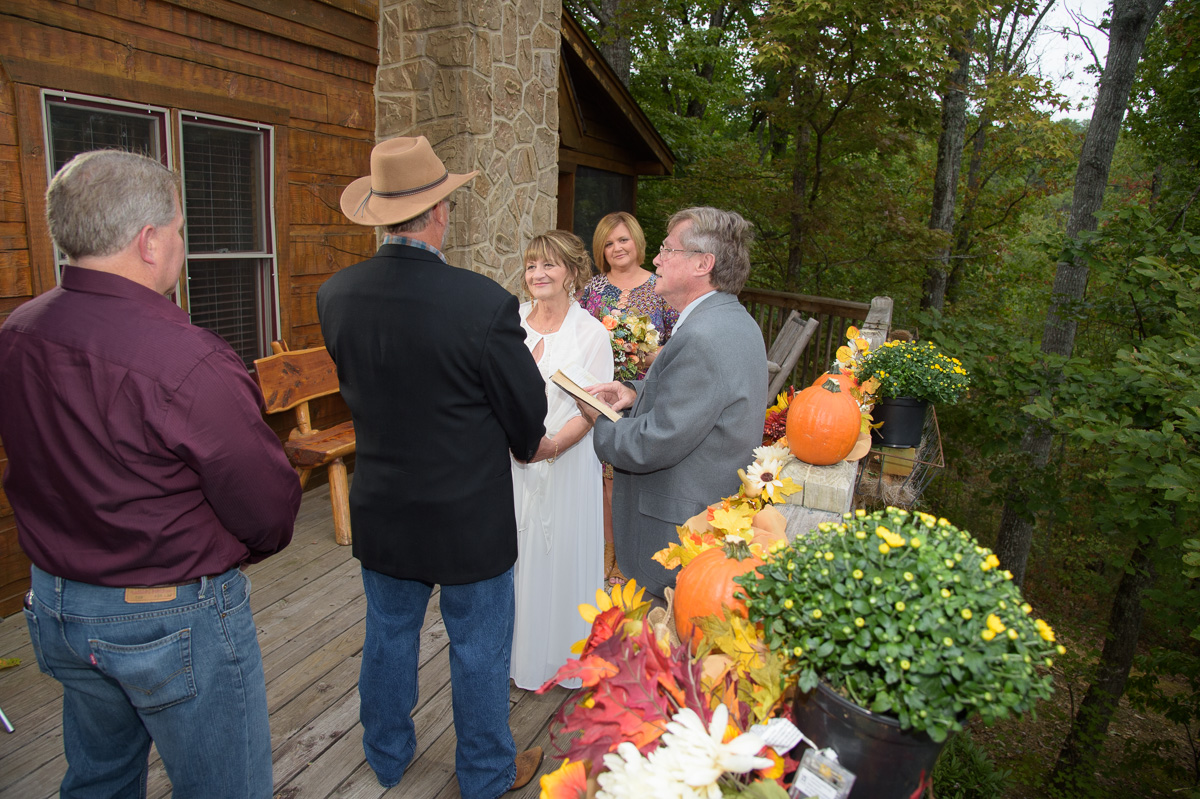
(479, 79)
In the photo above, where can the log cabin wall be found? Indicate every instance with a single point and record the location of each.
(302, 71)
(479, 80)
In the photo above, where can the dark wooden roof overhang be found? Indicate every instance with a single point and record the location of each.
(600, 124)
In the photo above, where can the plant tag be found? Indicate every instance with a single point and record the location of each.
(821, 777)
(779, 734)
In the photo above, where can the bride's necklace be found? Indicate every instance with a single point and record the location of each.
(544, 328)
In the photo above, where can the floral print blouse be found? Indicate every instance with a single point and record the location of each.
(600, 297)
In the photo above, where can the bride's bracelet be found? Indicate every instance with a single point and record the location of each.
(555, 455)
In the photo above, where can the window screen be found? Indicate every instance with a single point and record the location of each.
(225, 197)
(222, 171)
(223, 296)
(599, 192)
(76, 129)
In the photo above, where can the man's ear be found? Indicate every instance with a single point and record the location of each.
(441, 212)
(147, 244)
(706, 263)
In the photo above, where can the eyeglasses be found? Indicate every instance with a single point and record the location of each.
(452, 204)
(664, 249)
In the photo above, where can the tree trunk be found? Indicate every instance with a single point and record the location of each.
(966, 223)
(945, 179)
(799, 191)
(1131, 22)
(614, 45)
(1076, 764)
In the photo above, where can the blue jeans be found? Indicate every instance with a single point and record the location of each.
(184, 673)
(479, 623)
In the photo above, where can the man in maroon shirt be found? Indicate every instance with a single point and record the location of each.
(142, 476)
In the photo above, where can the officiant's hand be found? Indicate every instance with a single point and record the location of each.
(618, 396)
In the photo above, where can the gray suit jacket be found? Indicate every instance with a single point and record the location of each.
(697, 417)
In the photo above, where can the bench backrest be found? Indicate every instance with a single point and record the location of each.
(291, 378)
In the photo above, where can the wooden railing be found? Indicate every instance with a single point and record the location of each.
(771, 308)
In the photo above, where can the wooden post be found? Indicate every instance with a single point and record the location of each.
(878, 322)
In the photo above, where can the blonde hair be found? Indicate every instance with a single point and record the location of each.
(560, 246)
(604, 229)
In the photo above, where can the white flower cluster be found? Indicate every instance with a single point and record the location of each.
(688, 763)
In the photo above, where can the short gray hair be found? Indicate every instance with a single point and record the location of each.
(414, 225)
(726, 235)
(99, 201)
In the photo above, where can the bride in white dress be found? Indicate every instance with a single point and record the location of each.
(560, 533)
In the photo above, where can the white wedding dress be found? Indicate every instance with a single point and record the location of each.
(560, 513)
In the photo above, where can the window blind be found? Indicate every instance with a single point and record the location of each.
(223, 297)
(222, 173)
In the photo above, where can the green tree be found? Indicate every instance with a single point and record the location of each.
(857, 80)
(1131, 22)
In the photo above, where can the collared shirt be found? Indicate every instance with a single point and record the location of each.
(691, 305)
(137, 451)
(396, 238)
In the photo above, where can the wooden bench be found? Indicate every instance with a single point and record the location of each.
(785, 352)
(289, 380)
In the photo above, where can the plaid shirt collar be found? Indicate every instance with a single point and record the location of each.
(393, 238)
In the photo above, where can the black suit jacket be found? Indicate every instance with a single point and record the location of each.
(433, 364)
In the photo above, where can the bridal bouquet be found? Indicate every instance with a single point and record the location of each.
(633, 337)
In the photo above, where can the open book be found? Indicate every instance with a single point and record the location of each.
(572, 379)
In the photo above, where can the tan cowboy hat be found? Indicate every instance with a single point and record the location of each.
(406, 180)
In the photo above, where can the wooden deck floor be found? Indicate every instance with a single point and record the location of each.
(309, 608)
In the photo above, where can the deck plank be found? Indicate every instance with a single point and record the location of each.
(310, 612)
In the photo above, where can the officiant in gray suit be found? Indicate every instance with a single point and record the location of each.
(696, 417)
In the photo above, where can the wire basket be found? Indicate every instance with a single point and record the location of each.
(898, 477)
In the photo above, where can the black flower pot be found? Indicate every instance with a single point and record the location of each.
(903, 421)
(888, 762)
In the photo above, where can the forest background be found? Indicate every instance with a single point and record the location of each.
(913, 148)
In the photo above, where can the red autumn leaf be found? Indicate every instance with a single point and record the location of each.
(590, 669)
(604, 627)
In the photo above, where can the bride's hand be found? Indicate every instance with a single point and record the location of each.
(546, 449)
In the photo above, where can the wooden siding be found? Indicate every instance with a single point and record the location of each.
(306, 67)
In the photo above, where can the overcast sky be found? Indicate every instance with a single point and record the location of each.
(1063, 60)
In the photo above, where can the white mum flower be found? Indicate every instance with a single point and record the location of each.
(628, 775)
(773, 452)
(696, 756)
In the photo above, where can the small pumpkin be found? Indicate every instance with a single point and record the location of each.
(706, 585)
(768, 526)
(823, 423)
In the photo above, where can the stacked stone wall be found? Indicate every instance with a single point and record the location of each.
(479, 79)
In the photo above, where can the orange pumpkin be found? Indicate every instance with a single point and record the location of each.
(823, 423)
(706, 584)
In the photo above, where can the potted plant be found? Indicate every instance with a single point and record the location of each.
(902, 620)
(908, 376)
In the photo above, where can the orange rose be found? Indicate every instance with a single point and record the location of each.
(608, 322)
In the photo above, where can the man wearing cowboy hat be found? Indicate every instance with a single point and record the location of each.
(433, 365)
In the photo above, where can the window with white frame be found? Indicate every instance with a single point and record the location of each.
(230, 281)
